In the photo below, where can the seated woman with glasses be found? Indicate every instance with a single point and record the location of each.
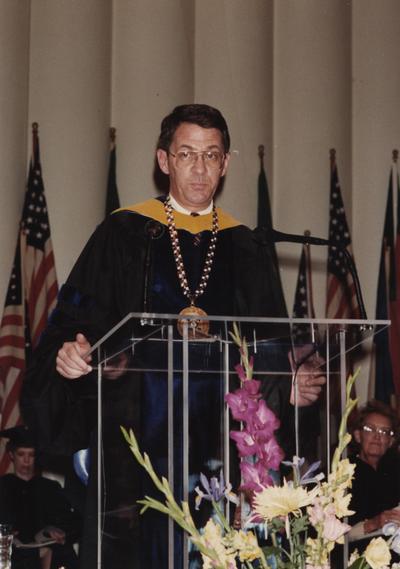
(376, 484)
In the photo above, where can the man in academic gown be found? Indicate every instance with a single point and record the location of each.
(163, 256)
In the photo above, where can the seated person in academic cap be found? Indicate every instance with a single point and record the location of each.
(36, 509)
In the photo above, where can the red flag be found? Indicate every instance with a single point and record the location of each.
(31, 296)
(341, 300)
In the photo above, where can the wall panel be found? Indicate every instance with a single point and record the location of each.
(70, 67)
(14, 70)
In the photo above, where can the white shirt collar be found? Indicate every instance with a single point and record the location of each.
(181, 209)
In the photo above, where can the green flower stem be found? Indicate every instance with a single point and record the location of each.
(299, 550)
(244, 353)
(360, 563)
(264, 563)
(275, 544)
(289, 537)
(221, 516)
(344, 437)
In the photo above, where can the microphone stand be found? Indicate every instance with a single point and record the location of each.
(268, 234)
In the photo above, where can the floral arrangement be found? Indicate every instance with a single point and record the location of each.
(302, 517)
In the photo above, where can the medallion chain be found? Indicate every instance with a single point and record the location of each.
(176, 249)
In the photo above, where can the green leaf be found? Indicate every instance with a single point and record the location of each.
(358, 563)
(300, 524)
(277, 524)
(271, 550)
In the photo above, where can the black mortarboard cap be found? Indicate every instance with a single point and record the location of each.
(19, 436)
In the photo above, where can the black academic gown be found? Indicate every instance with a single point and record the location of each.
(128, 266)
(374, 490)
(31, 505)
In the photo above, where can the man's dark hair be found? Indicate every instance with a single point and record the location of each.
(202, 115)
(11, 446)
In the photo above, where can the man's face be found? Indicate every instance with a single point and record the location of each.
(24, 462)
(193, 184)
(374, 438)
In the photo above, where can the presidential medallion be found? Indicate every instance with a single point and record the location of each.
(196, 328)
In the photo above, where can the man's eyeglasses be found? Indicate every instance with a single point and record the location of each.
(381, 431)
(211, 158)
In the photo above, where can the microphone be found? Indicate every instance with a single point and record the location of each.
(279, 236)
(268, 235)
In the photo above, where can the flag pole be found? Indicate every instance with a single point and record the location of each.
(332, 155)
(35, 142)
(310, 297)
(35, 128)
(261, 154)
(113, 135)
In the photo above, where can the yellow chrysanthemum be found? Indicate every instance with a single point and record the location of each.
(275, 501)
(246, 545)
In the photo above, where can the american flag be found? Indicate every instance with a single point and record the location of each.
(303, 306)
(341, 300)
(31, 296)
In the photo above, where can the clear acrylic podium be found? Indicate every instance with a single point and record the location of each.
(168, 385)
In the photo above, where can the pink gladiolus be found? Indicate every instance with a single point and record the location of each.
(257, 438)
(262, 434)
(245, 443)
(271, 454)
(266, 417)
(263, 423)
(252, 386)
(243, 402)
(254, 476)
(241, 373)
